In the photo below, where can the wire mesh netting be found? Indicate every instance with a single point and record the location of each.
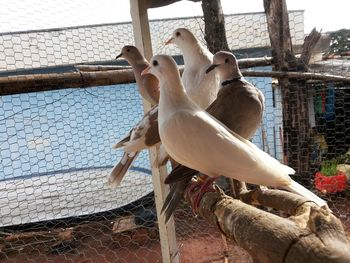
(56, 147)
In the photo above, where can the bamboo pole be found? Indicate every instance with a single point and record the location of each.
(53, 81)
(243, 63)
(100, 67)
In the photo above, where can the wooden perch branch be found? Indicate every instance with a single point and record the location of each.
(311, 234)
(277, 199)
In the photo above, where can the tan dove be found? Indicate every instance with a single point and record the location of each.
(148, 85)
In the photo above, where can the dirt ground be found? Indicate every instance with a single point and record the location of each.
(197, 241)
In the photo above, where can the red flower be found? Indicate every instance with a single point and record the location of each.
(330, 184)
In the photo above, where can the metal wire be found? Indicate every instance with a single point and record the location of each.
(56, 153)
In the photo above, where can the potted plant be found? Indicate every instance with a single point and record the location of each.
(329, 179)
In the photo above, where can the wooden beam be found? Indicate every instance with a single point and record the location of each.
(140, 25)
(167, 232)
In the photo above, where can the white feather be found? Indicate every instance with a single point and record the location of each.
(297, 188)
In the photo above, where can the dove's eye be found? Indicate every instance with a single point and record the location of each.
(226, 60)
(128, 50)
(178, 34)
(155, 63)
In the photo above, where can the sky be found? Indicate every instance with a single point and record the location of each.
(22, 15)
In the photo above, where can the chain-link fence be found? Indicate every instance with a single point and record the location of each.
(55, 147)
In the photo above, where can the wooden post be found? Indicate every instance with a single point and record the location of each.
(296, 130)
(214, 26)
(167, 232)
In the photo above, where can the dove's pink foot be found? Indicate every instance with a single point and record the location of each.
(203, 185)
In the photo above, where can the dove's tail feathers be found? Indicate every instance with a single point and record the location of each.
(296, 188)
(122, 143)
(120, 169)
(170, 203)
(174, 198)
(180, 173)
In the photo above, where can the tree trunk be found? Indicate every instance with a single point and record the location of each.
(214, 20)
(310, 233)
(296, 129)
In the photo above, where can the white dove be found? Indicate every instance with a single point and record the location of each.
(202, 88)
(239, 105)
(197, 140)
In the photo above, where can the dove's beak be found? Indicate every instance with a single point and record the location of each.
(211, 68)
(121, 54)
(169, 41)
(146, 71)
